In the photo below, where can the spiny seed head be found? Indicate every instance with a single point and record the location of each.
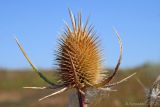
(78, 55)
(154, 94)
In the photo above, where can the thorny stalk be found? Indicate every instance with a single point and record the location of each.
(82, 99)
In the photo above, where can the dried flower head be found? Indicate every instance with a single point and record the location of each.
(79, 61)
(154, 94)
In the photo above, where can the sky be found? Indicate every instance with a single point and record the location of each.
(38, 23)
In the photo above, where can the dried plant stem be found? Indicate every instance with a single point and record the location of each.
(82, 99)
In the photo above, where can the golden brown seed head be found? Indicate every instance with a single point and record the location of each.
(78, 55)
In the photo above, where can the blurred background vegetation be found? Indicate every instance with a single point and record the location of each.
(130, 93)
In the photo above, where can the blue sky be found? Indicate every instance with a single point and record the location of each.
(38, 23)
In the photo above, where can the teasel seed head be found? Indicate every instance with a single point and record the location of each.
(78, 55)
(154, 94)
(79, 62)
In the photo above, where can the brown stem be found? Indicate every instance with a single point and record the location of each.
(82, 99)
